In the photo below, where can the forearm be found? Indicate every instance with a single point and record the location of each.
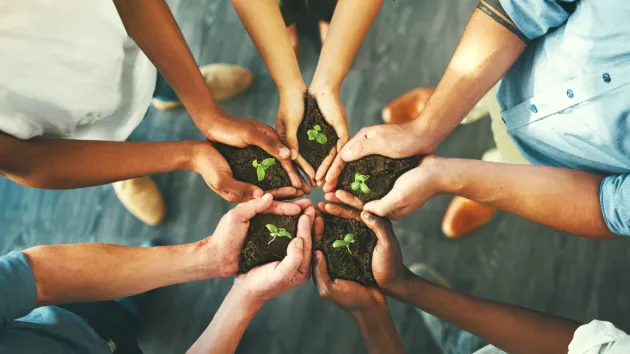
(511, 328)
(97, 272)
(349, 26)
(66, 164)
(228, 325)
(560, 198)
(151, 25)
(485, 53)
(378, 330)
(264, 23)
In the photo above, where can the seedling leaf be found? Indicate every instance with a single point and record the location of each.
(349, 238)
(322, 139)
(268, 162)
(317, 127)
(339, 244)
(284, 233)
(272, 228)
(260, 172)
(365, 189)
(355, 186)
(255, 163)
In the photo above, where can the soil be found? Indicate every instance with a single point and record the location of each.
(257, 250)
(312, 151)
(383, 173)
(240, 161)
(341, 264)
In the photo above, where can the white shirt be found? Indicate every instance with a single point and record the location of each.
(597, 337)
(69, 70)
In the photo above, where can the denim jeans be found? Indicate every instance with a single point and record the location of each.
(451, 339)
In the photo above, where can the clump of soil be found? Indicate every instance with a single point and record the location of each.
(382, 171)
(341, 264)
(312, 151)
(240, 161)
(257, 250)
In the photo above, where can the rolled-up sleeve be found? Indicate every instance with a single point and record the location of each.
(536, 17)
(18, 291)
(599, 337)
(614, 196)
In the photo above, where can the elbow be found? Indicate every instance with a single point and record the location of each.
(31, 179)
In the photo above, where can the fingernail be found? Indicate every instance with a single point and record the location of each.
(294, 154)
(284, 152)
(346, 154)
(257, 193)
(318, 255)
(299, 243)
(366, 215)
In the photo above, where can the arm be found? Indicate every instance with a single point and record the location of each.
(378, 330)
(252, 289)
(152, 26)
(65, 164)
(513, 329)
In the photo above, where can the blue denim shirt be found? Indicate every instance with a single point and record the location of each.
(566, 101)
(28, 329)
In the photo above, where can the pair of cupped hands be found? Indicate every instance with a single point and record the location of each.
(274, 279)
(391, 140)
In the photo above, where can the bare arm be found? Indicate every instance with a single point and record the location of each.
(66, 164)
(378, 330)
(511, 328)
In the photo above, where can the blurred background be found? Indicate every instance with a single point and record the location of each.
(409, 46)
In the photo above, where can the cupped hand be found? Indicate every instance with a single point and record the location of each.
(391, 140)
(277, 278)
(225, 244)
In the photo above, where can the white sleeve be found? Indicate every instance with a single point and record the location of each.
(599, 337)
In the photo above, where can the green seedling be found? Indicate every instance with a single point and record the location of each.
(277, 232)
(359, 183)
(317, 135)
(263, 166)
(347, 240)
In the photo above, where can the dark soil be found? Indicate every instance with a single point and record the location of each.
(341, 264)
(383, 173)
(257, 250)
(240, 161)
(312, 151)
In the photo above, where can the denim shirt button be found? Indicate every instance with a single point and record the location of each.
(570, 93)
(533, 108)
(606, 78)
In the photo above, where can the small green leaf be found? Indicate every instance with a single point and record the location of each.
(349, 238)
(322, 139)
(284, 233)
(268, 162)
(312, 134)
(339, 244)
(255, 163)
(355, 186)
(317, 127)
(365, 189)
(260, 171)
(271, 227)
(359, 177)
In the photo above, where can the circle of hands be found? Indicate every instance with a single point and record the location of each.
(274, 279)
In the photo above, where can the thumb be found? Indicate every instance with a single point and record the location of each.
(291, 138)
(381, 227)
(245, 211)
(290, 264)
(361, 145)
(240, 191)
(320, 272)
(271, 144)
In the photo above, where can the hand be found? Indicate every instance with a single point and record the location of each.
(274, 279)
(391, 140)
(350, 296)
(410, 192)
(225, 244)
(335, 114)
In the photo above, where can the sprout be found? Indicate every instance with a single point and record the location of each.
(359, 183)
(277, 232)
(347, 240)
(317, 135)
(262, 167)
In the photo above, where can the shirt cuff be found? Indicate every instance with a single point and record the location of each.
(596, 337)
(535, 17)
(614, 197)
(18, 290)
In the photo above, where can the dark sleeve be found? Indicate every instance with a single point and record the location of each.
(531, 18)
(18, 291)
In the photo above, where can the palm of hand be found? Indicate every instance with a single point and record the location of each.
(264, 282)
(227, 243)
(352, 296)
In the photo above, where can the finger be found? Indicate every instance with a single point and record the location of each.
(318, 228)
(236, 191)
(310, 212)
(271, 144)
(306, 186)
(245, 211)
(302, 203)
(321, 207)
(307, 168)
(387, 206)
(320, 274)
(283, 193)
(304, 233)
(349, 199)
(291, 136)
(291, 263)
(332, 198)
(343, 212)
(332, 176)
(280, 208)
(381, 227)
(323, 167)
(363, 144)
(294, 176)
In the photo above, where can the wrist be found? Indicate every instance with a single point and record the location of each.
(370, 313)
(448, 176)
(324, 84)
(248, 301)
(292, 88)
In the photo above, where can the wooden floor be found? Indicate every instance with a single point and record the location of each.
(510, 259)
